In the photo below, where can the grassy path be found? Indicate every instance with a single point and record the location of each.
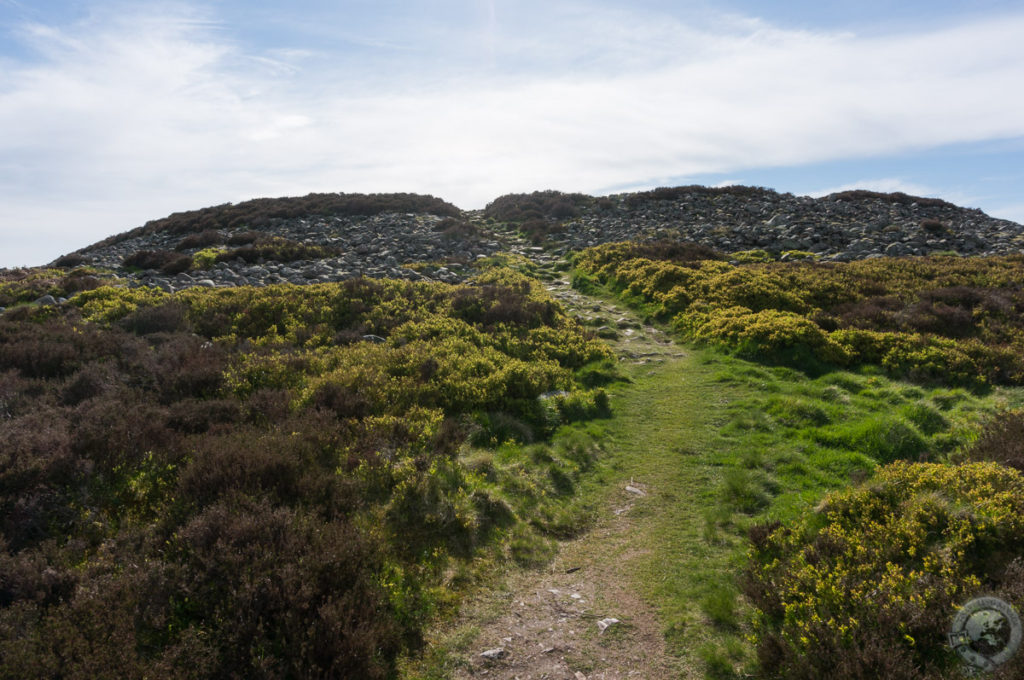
(646, 562)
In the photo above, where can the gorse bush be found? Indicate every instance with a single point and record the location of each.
(210, 484)
(868, 586)
(18, 286)
(928, 319)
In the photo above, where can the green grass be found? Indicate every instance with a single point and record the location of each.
(725, 442)
(722, 443)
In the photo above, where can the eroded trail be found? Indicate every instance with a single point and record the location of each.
(586, 615)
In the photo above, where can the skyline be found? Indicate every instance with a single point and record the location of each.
(116, 114)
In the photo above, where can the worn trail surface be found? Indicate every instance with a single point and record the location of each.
(586, 615)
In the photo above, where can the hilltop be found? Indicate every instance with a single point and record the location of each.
(333, 237)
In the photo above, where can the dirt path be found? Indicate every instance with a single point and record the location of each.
(548, 623)
(581, 617)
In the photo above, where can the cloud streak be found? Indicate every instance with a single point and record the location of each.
(127, 117)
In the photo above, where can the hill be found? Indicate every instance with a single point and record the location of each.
(348, 235)
(688, 432)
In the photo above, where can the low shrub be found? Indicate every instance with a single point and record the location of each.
(867, 586)
(166, 261)
(203, 239)
(70, 261)
(1002, 441)
(543, 205)
(276, 249)
(452, 228)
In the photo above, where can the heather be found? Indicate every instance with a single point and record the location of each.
(271, 482)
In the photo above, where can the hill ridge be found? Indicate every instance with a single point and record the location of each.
(332, 237)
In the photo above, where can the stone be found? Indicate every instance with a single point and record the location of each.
(374, 338)
(605, 624)
(46, 301)
(494, 654)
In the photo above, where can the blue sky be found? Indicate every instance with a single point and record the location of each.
(114, 113)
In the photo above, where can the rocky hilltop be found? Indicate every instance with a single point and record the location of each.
(331, 237)
(843, 226)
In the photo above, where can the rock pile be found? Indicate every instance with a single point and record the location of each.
(855, 225)
(847, 226)
(374, 246)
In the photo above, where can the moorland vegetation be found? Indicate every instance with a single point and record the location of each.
(271, 482)
(296, 481)
(866, 584)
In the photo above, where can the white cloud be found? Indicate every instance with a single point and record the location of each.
(128, 117)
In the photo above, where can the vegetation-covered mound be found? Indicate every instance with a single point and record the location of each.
(933, 318)
(269, 482)
(538, 214)
(260, 211)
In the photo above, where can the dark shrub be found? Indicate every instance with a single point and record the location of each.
(254, 464)
(684, 192)
(1002, 441)
(244, 238)
(15, 394)
(938, 318)
(189, 367)
(452, 228)
(203, 239)
(169, 317)
(47, 350)
(195, 416)
(873, 313)
(342, 400)
(150, 259)
(79, 280)
(37, 470)
(302, 592)
(111, 435)
(92, 381)
(177, 265)
(28, 577)
(70, 260)
(266, 406)
(895, 197)
(552, 205)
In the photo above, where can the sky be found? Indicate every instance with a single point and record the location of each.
(113, 113)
